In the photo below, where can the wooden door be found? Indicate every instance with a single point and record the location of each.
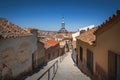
(90, 61)
(118, 67)
(77, 59)
(112, 65)
(81, 54)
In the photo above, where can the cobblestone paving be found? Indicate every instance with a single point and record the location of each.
(67, 70)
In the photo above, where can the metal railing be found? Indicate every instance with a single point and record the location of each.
(55, 68)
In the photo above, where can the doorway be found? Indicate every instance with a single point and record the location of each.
(90, 60)
(113, 66)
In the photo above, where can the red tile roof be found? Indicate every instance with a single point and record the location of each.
(88, 36)
(112, 19)
(46, 45)
(8, 30)
(52, 42)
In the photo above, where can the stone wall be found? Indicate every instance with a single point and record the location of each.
(52, 52)
(41, 53)
(16, 56)
(62, 50)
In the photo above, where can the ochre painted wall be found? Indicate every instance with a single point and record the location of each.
(108, 40)
(83, 65)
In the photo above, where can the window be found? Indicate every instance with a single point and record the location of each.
(81, 53)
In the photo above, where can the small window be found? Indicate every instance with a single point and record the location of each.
(81, 53)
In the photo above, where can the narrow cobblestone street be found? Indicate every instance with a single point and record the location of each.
(67, 70)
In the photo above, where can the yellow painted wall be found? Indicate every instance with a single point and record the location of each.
(83, 64)
(108, 40)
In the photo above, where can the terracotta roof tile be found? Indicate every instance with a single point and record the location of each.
(114, 17)
(52, 42)
(46, 45)
(88, 36)
(8, 30)
(49, 43)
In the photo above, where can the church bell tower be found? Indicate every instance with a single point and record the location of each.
(63, 30)
(63, 23)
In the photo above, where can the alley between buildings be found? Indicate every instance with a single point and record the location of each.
(67, 70)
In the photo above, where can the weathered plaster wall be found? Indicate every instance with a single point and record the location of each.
(41, 53)
(16, 54)
(83, 64)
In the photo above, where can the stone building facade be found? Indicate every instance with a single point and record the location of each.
(85, 49)
(41, 53)
(62, 50)
(16, 50)
(51, 49)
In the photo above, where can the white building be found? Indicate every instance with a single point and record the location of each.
(74, 35)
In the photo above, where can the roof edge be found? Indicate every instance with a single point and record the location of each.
(107, 22)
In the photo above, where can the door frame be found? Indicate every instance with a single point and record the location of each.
(112, 69)
(90, 60)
